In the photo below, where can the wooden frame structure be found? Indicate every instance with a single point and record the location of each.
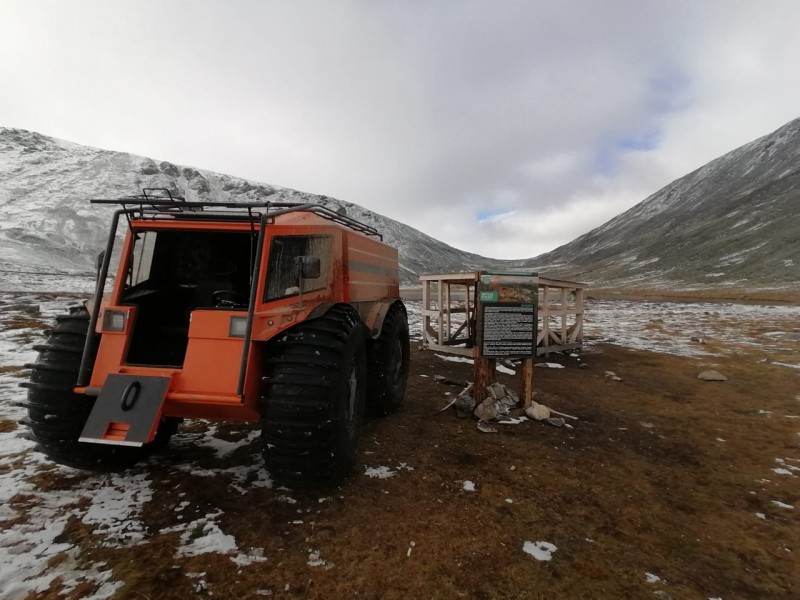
(561, 306)
(447, 327)
(449, 305)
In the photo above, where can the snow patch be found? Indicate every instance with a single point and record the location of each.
(379, 472)
(542, 551)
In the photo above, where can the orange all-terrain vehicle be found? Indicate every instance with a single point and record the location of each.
(284, 314)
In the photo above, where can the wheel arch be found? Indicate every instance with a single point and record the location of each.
(372, 313)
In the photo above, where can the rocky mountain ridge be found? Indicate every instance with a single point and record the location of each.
(734, 222)
(49, 227)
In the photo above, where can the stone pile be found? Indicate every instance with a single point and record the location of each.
(501, 405)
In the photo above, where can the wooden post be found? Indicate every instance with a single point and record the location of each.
(526, 383)
(483, 372)
(483, 376)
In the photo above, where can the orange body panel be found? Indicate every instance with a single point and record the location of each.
(212, 357)
(371, 269)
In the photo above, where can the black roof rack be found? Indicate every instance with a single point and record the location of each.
(157, 203)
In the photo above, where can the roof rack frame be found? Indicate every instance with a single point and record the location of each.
(156, 206)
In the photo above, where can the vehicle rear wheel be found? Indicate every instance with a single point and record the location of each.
(388, 363)
(56, 415)
(312, 401)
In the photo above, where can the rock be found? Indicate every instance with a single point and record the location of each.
(538, 412)
(464, 404)
(555, 421)
(486, 410)
(516, 413)
(485, 427)
(583, 366)
(497, 390)
(612, 376)
(505, 405)
(712, 375)
(447, 381)
(512, 396)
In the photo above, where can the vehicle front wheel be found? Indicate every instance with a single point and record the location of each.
(57, 415)
(312, 401)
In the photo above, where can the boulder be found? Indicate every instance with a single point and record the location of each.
(487, 410)
(496, 390)
(712, 375)
(538, 412)
(484, 427)
(464, 404)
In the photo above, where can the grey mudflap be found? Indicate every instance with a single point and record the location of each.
(127, 411)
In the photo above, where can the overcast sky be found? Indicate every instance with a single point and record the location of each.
(504, 128)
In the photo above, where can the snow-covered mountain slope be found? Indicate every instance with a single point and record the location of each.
(48, 226)
(734, 222)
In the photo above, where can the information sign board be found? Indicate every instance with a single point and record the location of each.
(507, 317)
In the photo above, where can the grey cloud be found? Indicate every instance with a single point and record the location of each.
(434, 113)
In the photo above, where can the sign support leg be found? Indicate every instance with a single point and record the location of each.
(483, 376)
(526, 383)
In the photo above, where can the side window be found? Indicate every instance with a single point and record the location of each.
(144, 244)
(282, 272)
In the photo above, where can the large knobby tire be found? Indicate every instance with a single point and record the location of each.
(312, 401)
(56, 415)
(387, 363)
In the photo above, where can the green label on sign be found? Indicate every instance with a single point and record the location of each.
(489, 296)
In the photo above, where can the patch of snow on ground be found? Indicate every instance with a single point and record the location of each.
(460, 359)
(241, 474)
(414, 310)
(781, 471)
(468, 486)
(31, 555)
(315, 559)
(661, 326)
(117, 499)
(379, 472)
(223, 448)
(203, 536)
(780, 364)
(542, 551)
(652, 577)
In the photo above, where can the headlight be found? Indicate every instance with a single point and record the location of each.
(238, 327)
(114, 320)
